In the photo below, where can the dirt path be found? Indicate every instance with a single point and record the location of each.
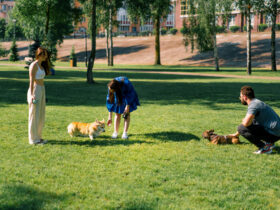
(141, 50)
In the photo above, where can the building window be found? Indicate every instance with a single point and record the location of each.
(268, 19)
(183, 7)
(232, 20)
(124, 28)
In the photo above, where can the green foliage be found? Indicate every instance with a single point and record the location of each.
(163, 31)
(221, 29)
(2, 28)
(12, 28)
(14, 52)
(234, 29)
(184, 30)
(145, 33)
(262, 27)
(173, 31)
(46, 21)
(277, 28)
(72, 54)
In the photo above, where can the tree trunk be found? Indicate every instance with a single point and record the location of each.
(47, 20)
(242, 21)
(216, 56)
(111, 53)
(93, 43)
(249, 56)
(273, 42)
(107, 46)
(157, 41)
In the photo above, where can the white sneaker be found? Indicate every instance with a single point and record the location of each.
(114, 135)
(40, 141)
(124, 136)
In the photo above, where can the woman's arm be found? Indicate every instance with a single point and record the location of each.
(109, 122)
(32, 72)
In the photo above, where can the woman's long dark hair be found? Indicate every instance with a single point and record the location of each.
(45, 64)
(116, 87)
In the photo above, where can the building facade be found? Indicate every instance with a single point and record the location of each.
(236, 18)
(5, 7)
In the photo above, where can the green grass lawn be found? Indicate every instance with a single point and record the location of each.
(165, 164)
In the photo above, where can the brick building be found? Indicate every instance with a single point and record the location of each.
(5, 7)
(180, 7)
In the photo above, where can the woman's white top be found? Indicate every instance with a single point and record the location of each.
(40, 74)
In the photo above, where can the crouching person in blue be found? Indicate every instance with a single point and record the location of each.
(261, 125)
(121, 99)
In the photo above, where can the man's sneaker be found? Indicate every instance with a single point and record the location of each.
(124, 136)
(270, 145)
(114, 135)
(264, 150)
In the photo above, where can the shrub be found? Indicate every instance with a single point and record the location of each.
(163, 31)
(14, 52)
(144, 33)
(262, 27)
(234, 29)
(184, 30)
(277, 28)
(221, 29)
(173, 31)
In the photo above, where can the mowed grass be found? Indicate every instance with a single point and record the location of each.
(165, 164)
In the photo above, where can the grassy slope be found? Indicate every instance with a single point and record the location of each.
(165, 164)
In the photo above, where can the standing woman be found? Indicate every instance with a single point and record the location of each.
(121, 99)
(36, 95)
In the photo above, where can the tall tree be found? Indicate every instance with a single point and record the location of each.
(270, 7)
(107, 10)
(247, 6)
(154, 9)
(46, 20)
(89, 7)
(2, 28)
(204, 16)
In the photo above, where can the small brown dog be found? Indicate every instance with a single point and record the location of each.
(218, 139)
(86, 129)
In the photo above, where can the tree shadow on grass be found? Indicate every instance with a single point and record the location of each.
(172, 136)
(105, 141)
(25, 197)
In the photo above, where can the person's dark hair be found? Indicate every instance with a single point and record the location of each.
(116, 87)
(248, 91)
(45, 64)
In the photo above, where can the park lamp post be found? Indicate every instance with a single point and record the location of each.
(86, 46)
(14, 21)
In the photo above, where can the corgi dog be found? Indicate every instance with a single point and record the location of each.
(86, 129)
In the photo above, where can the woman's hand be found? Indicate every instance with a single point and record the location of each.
(109, 122)
(126, 110)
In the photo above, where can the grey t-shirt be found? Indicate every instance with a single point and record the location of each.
(265, 116)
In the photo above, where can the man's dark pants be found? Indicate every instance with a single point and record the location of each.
(256, 134)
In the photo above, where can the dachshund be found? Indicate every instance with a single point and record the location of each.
(218, 139)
